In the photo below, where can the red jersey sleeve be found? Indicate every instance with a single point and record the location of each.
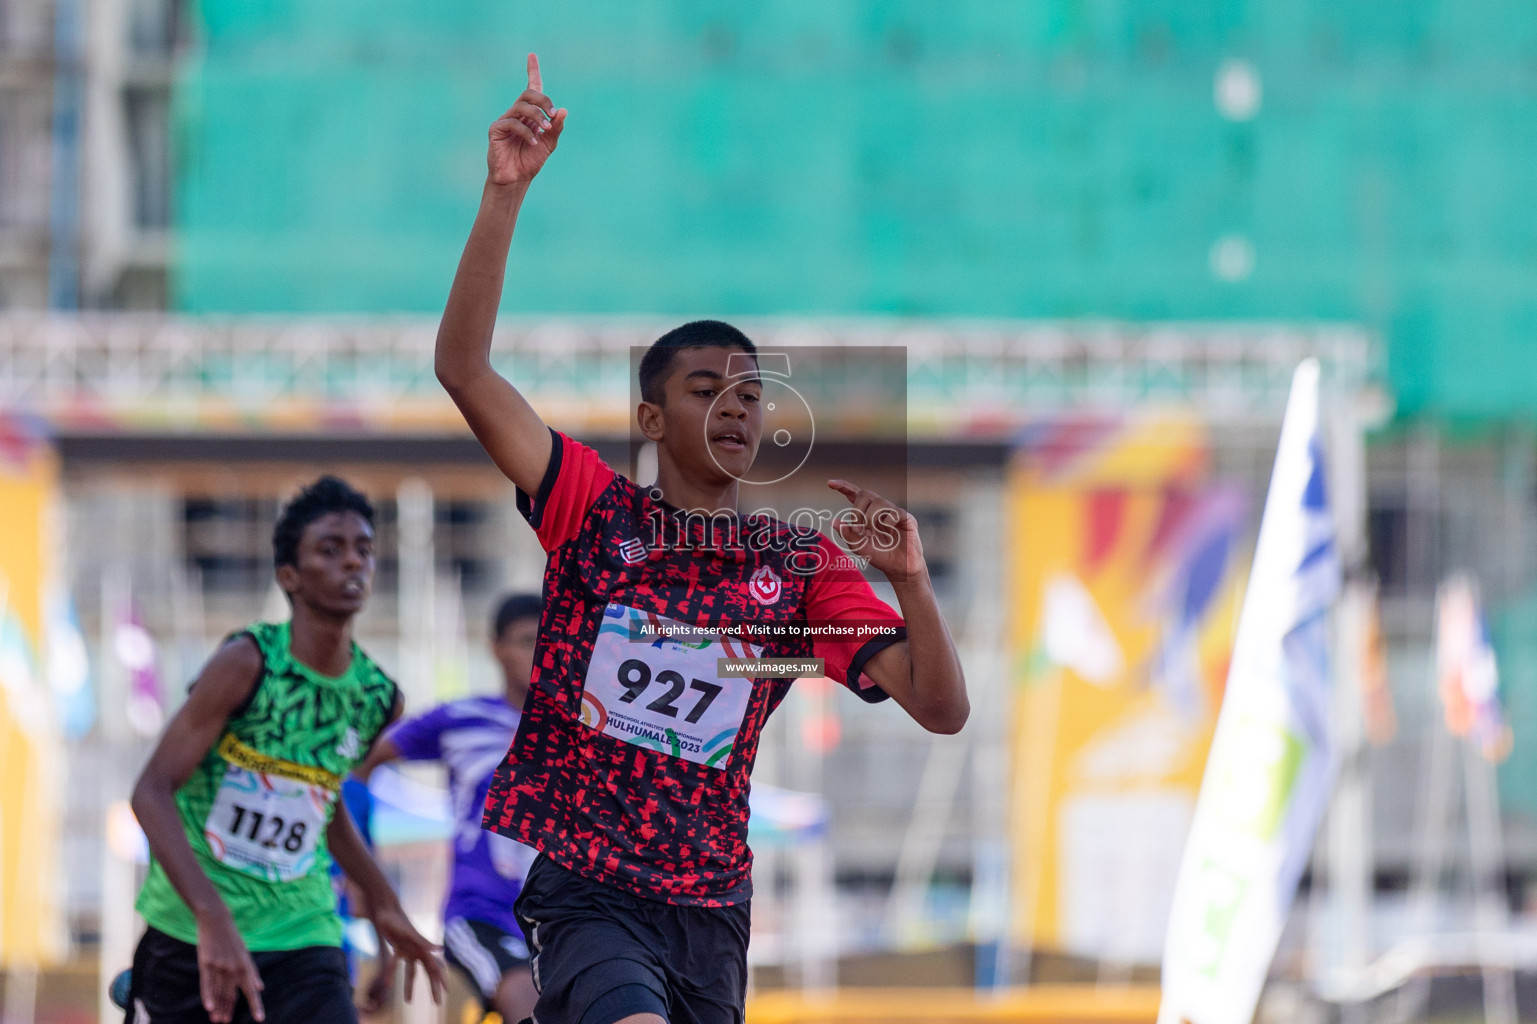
(573, 481)
(850, 623)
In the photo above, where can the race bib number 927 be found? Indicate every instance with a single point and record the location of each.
(664, 694)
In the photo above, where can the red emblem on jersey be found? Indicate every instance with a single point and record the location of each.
(764, 586)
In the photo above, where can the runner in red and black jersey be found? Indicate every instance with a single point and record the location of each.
(630, 770)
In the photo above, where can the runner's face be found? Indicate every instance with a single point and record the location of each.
(514, 651)
(335, 567)
(712, 420)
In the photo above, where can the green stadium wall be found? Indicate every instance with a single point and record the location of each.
(1008, 158)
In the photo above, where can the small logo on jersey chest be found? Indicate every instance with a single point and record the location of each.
(763, 585)
(633, 551)
(349, 747)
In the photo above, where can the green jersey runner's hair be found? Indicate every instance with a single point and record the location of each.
(324, 496)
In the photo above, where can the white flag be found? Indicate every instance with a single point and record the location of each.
(1271, 763)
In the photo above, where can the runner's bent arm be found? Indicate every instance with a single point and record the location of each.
(505, 424)
(383, 752)
(419, 738)
(922, 673)
(225, 684)
(381, 905)
(383, 748)
(374, 996)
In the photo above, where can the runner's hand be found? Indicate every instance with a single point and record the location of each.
(225, 968)
(523, 138)
(375, 996)
(407, 943)
(880, 531)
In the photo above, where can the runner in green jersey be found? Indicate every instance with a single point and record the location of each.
(239, 800)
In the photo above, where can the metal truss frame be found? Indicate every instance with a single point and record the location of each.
(1225, 371)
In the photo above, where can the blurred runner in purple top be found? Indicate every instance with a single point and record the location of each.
(470, 737)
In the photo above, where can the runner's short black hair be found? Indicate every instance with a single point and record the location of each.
(515, 608)
(697, 334)
(321, 498)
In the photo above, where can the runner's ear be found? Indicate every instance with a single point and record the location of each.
(288, 578)
(650, 419)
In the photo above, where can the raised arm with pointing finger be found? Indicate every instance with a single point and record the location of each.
(630, 768)
(512, 433)
(923, 674)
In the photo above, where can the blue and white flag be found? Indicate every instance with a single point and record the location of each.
(1271, 764)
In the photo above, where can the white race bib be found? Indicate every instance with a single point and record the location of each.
(664, 694)
(267, 825)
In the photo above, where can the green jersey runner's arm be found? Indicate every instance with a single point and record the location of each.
(222, 688)
(384, 751)
(375, 995)
(380, 904)
(364, 884)
(512, 433)
(381, 752)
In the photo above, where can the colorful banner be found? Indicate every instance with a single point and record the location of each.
(31, 756)
(1125, 598)
(1272, 762)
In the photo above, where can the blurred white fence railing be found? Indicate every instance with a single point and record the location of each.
(963, 376)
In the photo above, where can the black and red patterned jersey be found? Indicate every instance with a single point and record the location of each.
(632, 763)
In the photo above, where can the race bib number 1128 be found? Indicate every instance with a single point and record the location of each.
(266, 825)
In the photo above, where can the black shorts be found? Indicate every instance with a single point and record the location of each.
(601, 954)
(483, 952)
(303, 986)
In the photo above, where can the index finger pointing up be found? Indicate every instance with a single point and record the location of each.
(846, 489)
(534, 81)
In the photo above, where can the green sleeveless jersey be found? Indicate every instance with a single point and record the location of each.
(257, 806)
